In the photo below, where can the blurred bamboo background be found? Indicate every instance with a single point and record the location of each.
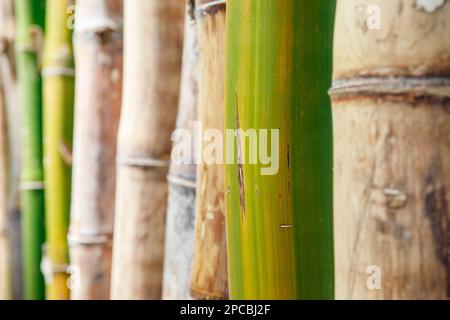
(98, 96)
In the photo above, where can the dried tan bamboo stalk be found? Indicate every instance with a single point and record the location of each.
(180, 225)
(391, 99)
(209, 274)
(98, 53)
(152, 62)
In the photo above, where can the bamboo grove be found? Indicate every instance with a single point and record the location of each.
(224, 149)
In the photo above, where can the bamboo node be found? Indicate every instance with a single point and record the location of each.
(58, 71)
(97, 27)
(142, 162)
(209, 7)
(32, 185)
(49, 269)
(181, 181)
(420, 86)
(78, 239)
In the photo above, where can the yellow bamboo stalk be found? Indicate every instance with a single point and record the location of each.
(58, 73)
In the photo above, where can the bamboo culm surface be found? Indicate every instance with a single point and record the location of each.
(391, 103)
(153, 37)
(180, 225)
(8, 76)
(279, 227)
(98, 54)
(209, 274)
(5, 240)
(30, 17)
(58, 89)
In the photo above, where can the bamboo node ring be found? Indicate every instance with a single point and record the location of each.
(58, 71)
(181, 181)
(49, 269)
(89, 239)
(32, 185)
(435, 86)
(202, 9)
(142, 162)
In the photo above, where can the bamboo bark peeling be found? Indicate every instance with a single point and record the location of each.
(391, 113)
(179, 245)
(30, 21)
(209, 274)
(58, 75)
(153, 37)
(98, 52)
(279, 227)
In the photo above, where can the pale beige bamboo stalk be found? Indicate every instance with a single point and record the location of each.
(152, 62)
(11, 112)
(391, 105)
(5, 245)
(98, 53)
(209, 274)
(179, 245)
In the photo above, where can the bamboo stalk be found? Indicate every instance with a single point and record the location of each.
(5, 239)
(58, 73)
(5, 245)
(12, 118)
(179, 243)
(279, 222)
(98, 53)
(30, 21)
(152, 62)
(392, 168)
(209, 273)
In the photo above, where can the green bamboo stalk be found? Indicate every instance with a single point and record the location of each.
(278, 74)
(30, 24)
(58, 73)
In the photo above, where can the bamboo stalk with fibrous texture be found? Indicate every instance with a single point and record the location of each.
(209, 274)
(391, 103)
(30, 23)
(153, 37)
(8, 74)
(279, 209)
(179, 243)
(98, 56)
(58, 90)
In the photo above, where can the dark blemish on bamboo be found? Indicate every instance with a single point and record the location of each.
(289, 156)
(191, 10)
(436, 210)
(239, 161)
(66, 153)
